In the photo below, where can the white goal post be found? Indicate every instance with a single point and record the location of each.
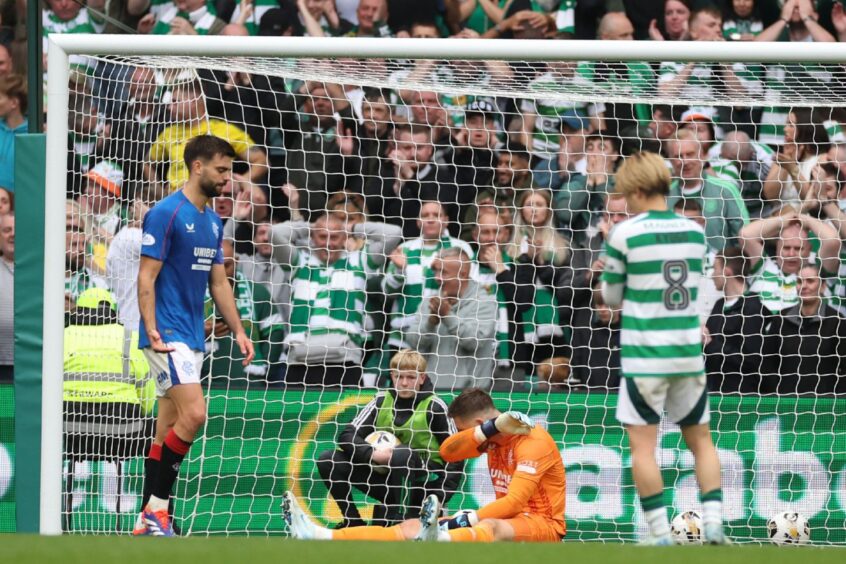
(213, 51)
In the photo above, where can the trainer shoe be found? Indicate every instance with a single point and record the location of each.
(157, 522)
(140, 528)
(429, 513)
(663, 540)
(299, 525)
(712, 533)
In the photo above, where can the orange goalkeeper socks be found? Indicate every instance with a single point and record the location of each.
(478, 533)
(369, 533)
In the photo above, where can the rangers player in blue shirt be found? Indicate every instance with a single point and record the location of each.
(181, 255)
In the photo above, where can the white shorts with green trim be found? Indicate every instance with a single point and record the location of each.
(643, 400)
(180, 366)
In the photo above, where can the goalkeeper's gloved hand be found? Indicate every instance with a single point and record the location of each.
(510, 423)
(464, 518)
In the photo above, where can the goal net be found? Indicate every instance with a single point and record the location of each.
(355, 174)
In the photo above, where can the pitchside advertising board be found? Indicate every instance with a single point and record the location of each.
(777, 453)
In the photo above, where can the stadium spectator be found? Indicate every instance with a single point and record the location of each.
(805, 346)
(225, 203)
(122, 261)
(88, 131)
(542, 118)
(67, 16)
(700, 122)
(774, 278)
(455, 329)
(742, 20)
(474, 156)
(13, 105)
(464, 74)
(734, 341)
(261, 322)
(408, 277)
(520, 22)
(371, 19)
(425, 107)
(190, 119)
(324, 342)
(704, 81)
(708, 294)
(101, 201)
(315, 18)
(257, 267)
(133, 127)
(674, 24)
(252, 206)
(737, 157)
(805, 138)
(372, 16)
(577, 201)
(7, 201)
(512, 175)
(257, 103)
(371, 138)
(80, 274)
(823, 199)
(534, 231)
(490, 237)
(7, 297)
(399, 477)
(722, 206)
(7, 62)
(629, 78)
(588, 259)
(410, 176)
(182, 17)
(570, 159)
(595, 345)
(799, 21)
(118, 17)
(314, 158)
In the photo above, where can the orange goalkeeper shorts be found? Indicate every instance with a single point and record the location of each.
(529, 527)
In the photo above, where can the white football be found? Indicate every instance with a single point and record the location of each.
(381, 439)
(788, 527)
(686, 528)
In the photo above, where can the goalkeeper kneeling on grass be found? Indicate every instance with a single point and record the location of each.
(525, 468)
(398, 476)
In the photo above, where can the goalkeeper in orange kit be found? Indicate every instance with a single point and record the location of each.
(525, 468)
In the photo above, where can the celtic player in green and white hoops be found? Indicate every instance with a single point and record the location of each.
(653, 268)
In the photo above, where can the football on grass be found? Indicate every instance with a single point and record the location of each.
(788, 527)
(687, 528)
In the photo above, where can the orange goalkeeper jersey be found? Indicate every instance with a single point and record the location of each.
(526, 471)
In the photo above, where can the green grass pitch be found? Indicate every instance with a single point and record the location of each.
(21, 549)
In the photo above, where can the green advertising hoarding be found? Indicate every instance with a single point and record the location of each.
(777, 453)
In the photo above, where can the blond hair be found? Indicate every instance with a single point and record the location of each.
(556, 249)
(407, 359)
(643, 172)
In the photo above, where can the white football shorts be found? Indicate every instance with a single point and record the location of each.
(180, 366)
(643, 400)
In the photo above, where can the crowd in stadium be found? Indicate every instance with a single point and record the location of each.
(361, 221)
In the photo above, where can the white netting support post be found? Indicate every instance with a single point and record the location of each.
(54, 301)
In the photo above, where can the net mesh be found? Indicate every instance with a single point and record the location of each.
(520, 157)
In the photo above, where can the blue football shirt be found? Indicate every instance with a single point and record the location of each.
(188, 242)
